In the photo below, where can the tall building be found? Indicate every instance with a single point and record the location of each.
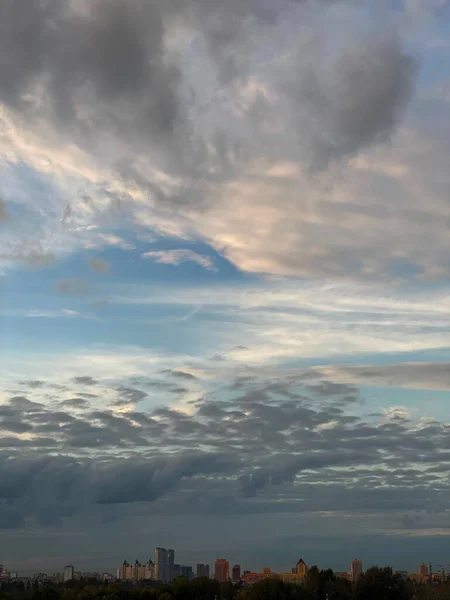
(424, 572)
(136, 570)
(122, 570)
(160, 564)
(187, 572)
(356, 569)
(170, 563)
(236, 573)
(203, 570)
(68, 573)
(301, 568)
(222, 570)
(164, 564)
(176, 571)
(149, 570)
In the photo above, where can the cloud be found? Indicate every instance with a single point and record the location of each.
(179, 374)
(300, 320)
(85, 380)
(77, 403)
(334, 460)
(176, 257)
(61, 486)
(414, 375)
(33, 384)
(110, 239)
(98, 265)
(357, 98)
(86, 66)
(130, 395)
(215, 148)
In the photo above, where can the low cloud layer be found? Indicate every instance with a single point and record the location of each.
(320, 442)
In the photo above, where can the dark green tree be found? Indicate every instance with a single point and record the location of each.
(381, 583)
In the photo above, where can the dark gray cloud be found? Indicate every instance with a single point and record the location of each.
(28, 406)
(180, 374)
(330, 388)
(420, 375)
(106, 59)
(49, 488)
(75, 403)
(333, 459)
(85, 380)
(98, 265)
(106, 70)
(360, 100)
(128, 394)
(33, 384)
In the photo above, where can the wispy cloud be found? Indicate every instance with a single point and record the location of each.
(177, 257)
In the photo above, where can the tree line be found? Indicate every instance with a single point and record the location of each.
(375, 584)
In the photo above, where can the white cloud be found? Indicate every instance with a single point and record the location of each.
(45, 313)
(176, 257)
(286, 319)
(113, 240)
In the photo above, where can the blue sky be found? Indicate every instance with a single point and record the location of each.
(224, 282)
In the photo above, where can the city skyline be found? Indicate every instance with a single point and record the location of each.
(222, 571)
(137, 572)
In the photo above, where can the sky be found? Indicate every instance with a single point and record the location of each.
(224, 282)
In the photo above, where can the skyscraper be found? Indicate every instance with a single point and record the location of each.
(236, 573)
(187, 572)
(170, 563)
(356, 569)
(164, 563)
(424, 572)
(160, 564)
(68, 573)
(222, 570)
(202, 570)
(176, 571)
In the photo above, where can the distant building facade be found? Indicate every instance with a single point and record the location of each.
(203, 570)
(68, 573)
(297, 575)
(255, 577)
(135, 571)
(236, 573)
(301, 568)
(222, 570)
(424, 572)
(356, 569)
(187, 572)
(164, 564)
(176, 571)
